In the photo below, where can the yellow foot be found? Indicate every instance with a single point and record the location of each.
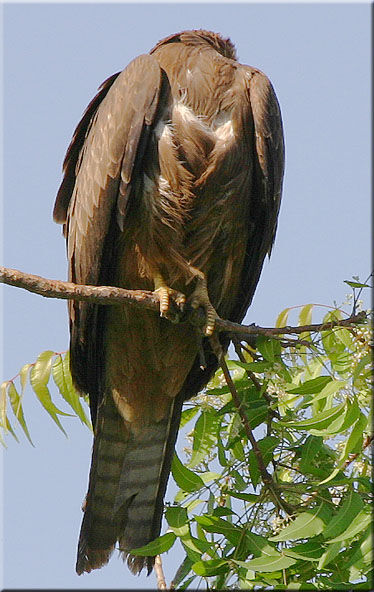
(167, 296)
(200, 297)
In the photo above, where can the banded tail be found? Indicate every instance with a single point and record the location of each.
(128, 479)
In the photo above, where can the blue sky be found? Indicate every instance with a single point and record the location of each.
(55, 56)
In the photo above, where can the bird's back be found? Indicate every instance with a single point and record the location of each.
(198, 168)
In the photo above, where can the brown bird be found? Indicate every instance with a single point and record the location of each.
(172, 182)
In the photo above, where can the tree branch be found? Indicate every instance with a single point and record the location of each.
(105, 295)
(109, 295)
(161, 582)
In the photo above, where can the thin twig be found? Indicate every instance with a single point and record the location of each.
(251, 375)
(267, 478)
(161, 582)
(109, 295)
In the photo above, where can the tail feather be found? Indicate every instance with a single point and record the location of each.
(128, 478)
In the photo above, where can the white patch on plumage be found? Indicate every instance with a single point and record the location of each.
(185, 112)
(149, 184)
(223, 127)
(163, 132)
(163, 184)
(188, 116)
(225, 132)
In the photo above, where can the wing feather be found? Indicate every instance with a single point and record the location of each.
(107, 146)
(74, 150)
(269, 141)
(108, 157)
(260, 117)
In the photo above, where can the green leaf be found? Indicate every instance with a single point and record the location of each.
(15, 401)
(192, 504)
(309, 451)
(320, 421)
(305, 525)
(270, 564)
(364, 547)
(356, 284)
(23, 373)
(240, 483)
(156, 547)
(247, 497)
(341, 362)
(187, 480)
(178, 520)
(355, 436)
(3, 392)
(282, 318)
(257, 414)
(257, 367)
(42, 368)
(365, 361)
(210, 567)
(259, 545)
(44, 396)
(238, 450)
(195, 547)
(267, 446)
(39, 377)
(345, 337)
(62, 378)
(354, 440)
(331, 387)
(305, 316)
(188, 414)
(343, 421)
(221, 450)
(220, 526)
(10, 429)
(269, 348)
(309, 551)
(358, 524)
(186, 583)
(209, 476)
(329, 555)
(205, 437)
(351, 506)
(211, 502)
(182, 571)
(310, 387)
(223, 511)
(330, 343)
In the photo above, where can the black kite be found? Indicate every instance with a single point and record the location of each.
(172, 182)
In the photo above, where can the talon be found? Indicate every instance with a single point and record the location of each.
(199, 298)
(165, 295)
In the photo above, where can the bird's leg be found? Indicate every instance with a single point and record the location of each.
(200, 297)
(165, 294)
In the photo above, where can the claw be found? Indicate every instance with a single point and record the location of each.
(165, 296)
(199, 298)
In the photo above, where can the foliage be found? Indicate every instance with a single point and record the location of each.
(49, 367)
(306, 401)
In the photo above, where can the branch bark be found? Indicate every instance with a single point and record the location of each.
(109, 295)
(161, 582)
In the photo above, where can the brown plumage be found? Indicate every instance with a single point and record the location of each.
(174, 171)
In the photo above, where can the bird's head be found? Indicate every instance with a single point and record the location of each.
(201, 37)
